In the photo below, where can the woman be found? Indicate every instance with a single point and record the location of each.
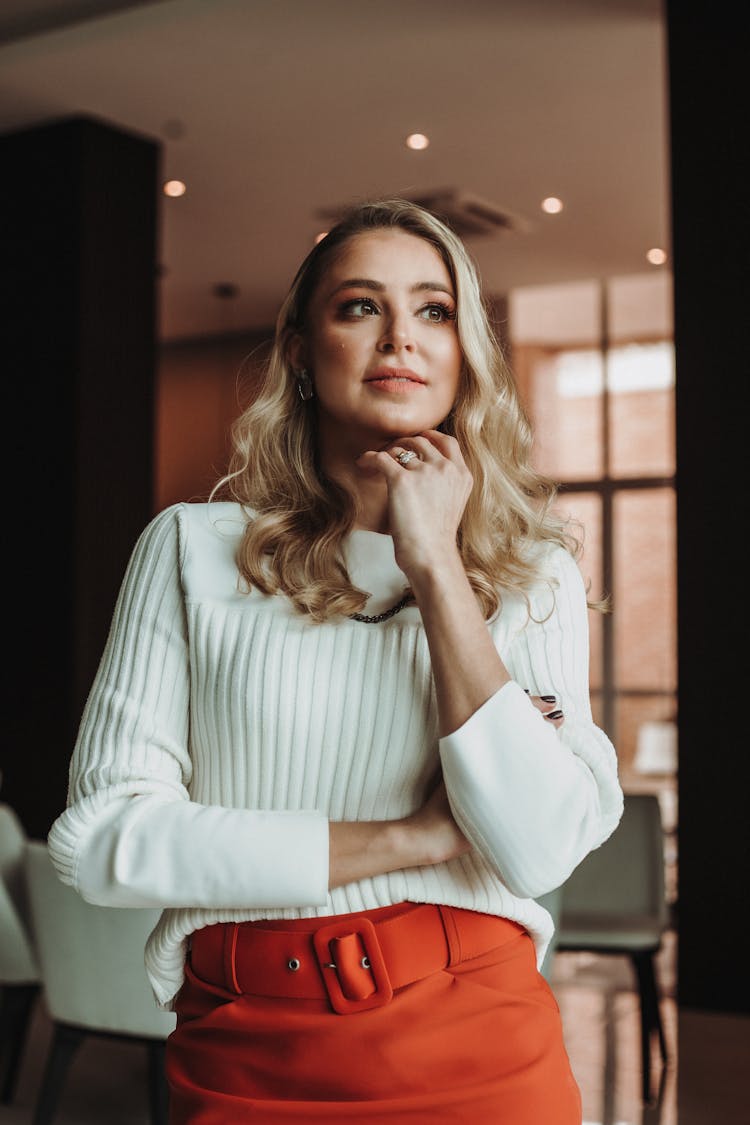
(327, 731)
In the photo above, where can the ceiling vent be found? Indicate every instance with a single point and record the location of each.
(466, 214)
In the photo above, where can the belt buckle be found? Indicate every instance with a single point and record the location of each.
(365, 930)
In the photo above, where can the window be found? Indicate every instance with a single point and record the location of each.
(594, 365)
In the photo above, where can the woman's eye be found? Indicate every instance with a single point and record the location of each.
(362, 306)
(437, 313)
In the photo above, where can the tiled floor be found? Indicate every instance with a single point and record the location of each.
(601, 1021)
(107, 1082)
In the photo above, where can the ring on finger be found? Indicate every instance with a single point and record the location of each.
(405, 456)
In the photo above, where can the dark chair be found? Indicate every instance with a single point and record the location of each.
(615, 903)
(552, 903)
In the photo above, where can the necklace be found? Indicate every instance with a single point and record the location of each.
(383, 616)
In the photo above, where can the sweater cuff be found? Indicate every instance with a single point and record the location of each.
(290, 858)
(144, 851)
(504, 710)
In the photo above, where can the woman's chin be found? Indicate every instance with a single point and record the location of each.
(374, 430)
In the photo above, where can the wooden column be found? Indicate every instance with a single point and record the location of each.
(79, 214)
(708, 121)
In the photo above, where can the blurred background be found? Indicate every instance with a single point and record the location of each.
(166, 166)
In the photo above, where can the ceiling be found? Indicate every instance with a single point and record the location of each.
(274, 111)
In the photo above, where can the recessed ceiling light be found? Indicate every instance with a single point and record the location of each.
(174, 188)
(657, 256)
(552, 205)
(417, 141)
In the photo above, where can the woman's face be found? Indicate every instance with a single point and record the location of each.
(381, 343)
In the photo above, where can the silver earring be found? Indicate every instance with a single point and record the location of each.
(304, 385)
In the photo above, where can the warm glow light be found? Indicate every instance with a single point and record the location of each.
(656, 256)
(321, 236)
(417, 141)
(552, 205)
(174, 188)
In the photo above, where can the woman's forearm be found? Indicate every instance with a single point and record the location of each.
(363, 849)
(466, 667)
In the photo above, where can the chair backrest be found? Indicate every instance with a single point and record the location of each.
(91, 957)
(18, 963)
(625, 875)
(552, 903)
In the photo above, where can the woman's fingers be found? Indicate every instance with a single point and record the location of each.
(427, 494)
(422, 447)
(430, 447)
(405, 457)
(549, 706)
(433, 447)
(446, 444)
(381, 461)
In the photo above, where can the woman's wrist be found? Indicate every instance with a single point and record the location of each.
(436, 573)
(364, 849)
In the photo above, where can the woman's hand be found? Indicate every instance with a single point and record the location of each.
(362, 849)
(426, 497)
(549, 705)
(437, 837)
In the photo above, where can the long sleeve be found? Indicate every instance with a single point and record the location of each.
(131, 835)
(533, 800)
(224, 729)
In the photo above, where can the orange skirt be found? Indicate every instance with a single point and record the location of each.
(478, 1040)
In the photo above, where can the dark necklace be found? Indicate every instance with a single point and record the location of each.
(383, 616)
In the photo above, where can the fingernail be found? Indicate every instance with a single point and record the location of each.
(549, 698)
(554, 715)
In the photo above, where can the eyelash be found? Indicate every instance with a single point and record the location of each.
(447, 312)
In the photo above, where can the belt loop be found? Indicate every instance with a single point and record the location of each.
(231, 933)
(452, 935)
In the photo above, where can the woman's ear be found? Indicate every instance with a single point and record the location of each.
(296, 352)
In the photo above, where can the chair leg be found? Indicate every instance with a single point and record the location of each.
(158, 1091)
(16, 1006)
(650, 1015)
(65, 1042)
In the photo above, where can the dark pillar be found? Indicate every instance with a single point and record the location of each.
(708, 121)
(78, 243)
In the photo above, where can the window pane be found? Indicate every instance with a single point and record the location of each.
(640, 379)
(633, 713)
(645, 589)
(586, 509)
(637, 715)
(639, 306)
(555, 333)
(563, 394)
(556, 315)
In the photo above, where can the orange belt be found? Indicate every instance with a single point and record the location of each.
(355, 961)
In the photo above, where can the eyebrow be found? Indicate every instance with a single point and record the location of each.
(378, 287)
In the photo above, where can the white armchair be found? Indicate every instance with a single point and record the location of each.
(19, 971)
(94, 980)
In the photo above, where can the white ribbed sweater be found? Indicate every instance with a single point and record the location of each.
(224, 730)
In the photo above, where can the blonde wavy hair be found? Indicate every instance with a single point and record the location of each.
(293, 544)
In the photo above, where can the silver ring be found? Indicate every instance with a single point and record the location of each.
(406, 456)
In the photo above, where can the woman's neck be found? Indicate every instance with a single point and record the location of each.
(368, 491)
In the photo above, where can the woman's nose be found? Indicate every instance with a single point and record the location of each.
(397, 334)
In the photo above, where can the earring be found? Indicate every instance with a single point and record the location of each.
(304, 385)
